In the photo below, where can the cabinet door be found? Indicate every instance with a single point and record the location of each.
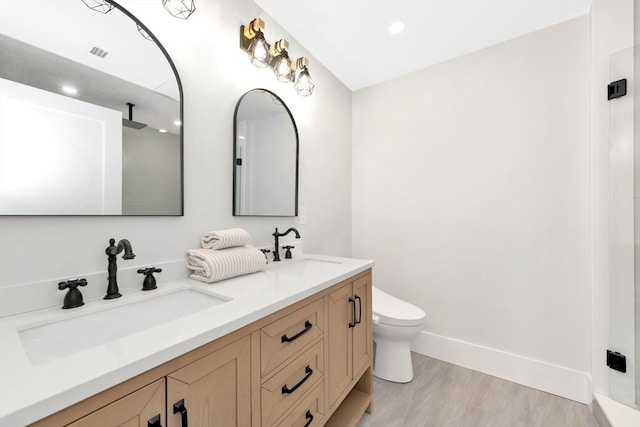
(138, 409)
(215, 390)
(362, 345)
(340, 316)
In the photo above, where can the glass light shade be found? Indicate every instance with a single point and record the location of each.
(259, 51)
(101, 6)
(143, 33)
(304, 84)
(179, 8)
(282, 68)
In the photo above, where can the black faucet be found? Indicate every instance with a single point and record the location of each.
(112, 251)
(276, 252)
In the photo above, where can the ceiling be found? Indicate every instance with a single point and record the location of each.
(351, 37)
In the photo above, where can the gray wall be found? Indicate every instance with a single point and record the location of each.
(150, 173)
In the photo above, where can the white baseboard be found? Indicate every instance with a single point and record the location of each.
(558, 380)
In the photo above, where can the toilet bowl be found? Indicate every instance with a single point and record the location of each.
(395, 324)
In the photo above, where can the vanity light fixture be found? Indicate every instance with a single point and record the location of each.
(179, 8)
(275, 56)
(304, 84)
(102, 6)
(252, 41)
(281, 63)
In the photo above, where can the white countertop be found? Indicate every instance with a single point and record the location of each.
(29, 392)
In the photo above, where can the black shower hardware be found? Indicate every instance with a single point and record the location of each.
(131, 123)
(73, 297)
(149, 282)
(111, 251)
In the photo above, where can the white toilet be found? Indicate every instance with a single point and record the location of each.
(395, 324)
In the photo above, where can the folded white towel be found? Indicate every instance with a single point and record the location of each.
(210, 265)
(225, 238)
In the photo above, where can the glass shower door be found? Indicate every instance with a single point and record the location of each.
(624, 230)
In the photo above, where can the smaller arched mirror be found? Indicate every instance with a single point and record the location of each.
(265, 147)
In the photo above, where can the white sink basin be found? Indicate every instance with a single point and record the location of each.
(304, 266)
(47, 342)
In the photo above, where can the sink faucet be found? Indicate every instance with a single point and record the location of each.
(276, 252)
(112, 251)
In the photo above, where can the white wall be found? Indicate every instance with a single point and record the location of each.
(471, 191)
(57, 154)
(215, 73)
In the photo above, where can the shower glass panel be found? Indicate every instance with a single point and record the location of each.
(624, 229)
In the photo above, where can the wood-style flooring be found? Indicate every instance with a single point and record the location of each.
(446, 395)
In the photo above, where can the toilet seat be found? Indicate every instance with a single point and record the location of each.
(390, 310)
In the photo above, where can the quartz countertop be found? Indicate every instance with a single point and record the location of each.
(31, 391)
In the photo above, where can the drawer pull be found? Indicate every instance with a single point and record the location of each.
(359, 309)
(287, 390)
(154, 422)
(179, 407)
(353, 324)
(307, 327)
(309, 417)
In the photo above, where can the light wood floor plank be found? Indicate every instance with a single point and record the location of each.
(446, 395)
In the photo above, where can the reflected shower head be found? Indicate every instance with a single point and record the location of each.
(130, 123)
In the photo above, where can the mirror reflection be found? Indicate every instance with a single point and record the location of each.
(265, 179)
(90, 112)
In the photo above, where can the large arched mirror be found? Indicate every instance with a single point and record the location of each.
(265, 178)
(90, 113)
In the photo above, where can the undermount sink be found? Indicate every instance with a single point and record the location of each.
(51, 341)
(304, 266)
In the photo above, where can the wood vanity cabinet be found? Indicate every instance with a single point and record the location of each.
(309, 364)
(213, 391)
(143, 407)
(349, 336)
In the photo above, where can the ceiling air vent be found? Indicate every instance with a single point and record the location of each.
(98, 52)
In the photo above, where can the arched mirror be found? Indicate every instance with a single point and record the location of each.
(90, 113)
(265, 178)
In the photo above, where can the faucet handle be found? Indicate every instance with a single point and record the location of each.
(265, 252)
(287, 254)
(149, 282)
(72, 284)
(73, 297)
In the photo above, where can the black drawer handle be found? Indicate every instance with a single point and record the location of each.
(353, 324)
(307, 327)
(154, 422)
(359, 309)
(309, 417)
(309, 372)
(179, 407)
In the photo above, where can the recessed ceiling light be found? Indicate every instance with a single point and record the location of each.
(396, 28)
(69, 90)
(162, 130)
(177, 123)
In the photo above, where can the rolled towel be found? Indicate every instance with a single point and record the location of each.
(210, 265)
(225, 238)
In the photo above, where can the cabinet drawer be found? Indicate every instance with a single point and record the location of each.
(283, 338)
(309, 412)
(288, 385)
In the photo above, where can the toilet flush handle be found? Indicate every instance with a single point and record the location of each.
(375, 319)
